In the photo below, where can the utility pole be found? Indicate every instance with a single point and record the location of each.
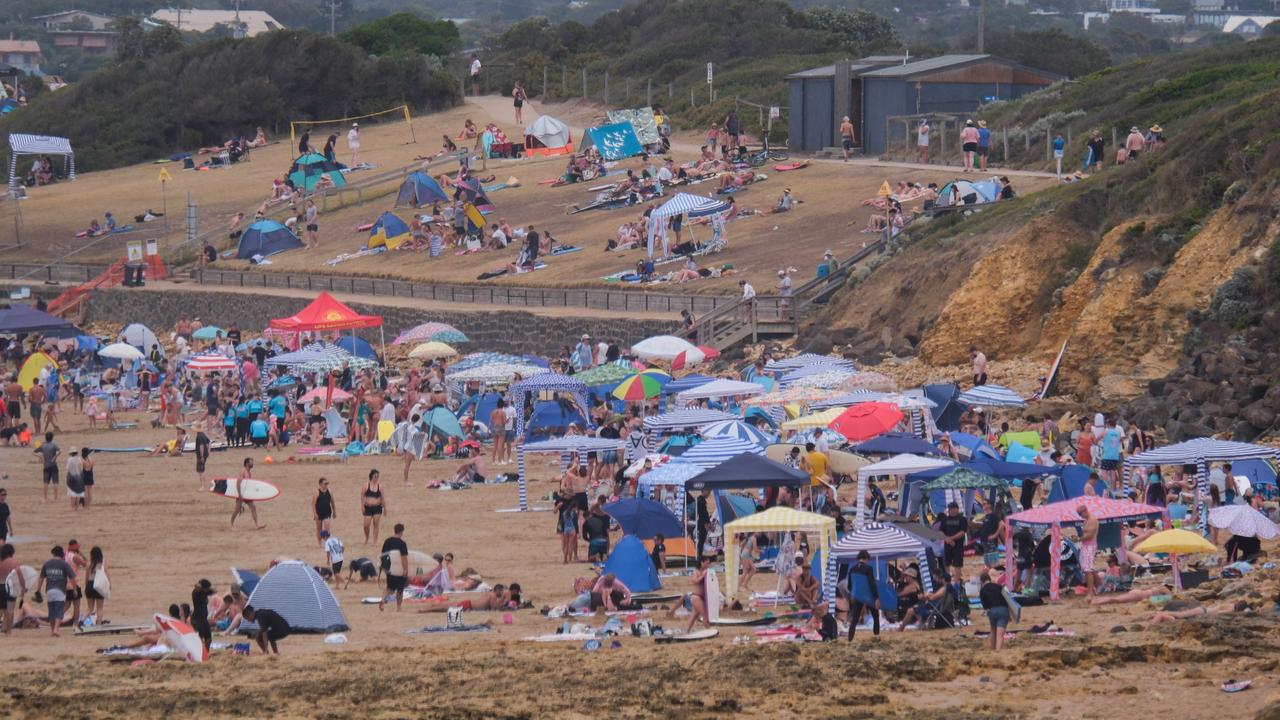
(333, 17)
(982, 25)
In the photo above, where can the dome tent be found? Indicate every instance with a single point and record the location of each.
(264, 238)
(307, 170)
(301, 597)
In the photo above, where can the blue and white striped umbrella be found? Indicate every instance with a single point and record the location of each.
(472, 360)
(805, 359)
(805, 371)
(1207, 449)
(711, 453)
(691, 418)
(879, 540)
(848, 399)
(737, 429)
(833, 437)
(991, 395)
(333, 357)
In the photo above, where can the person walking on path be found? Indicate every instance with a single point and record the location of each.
(846, 136)
(475, 74)
(518, 96)
(241, 503)
(922, 141)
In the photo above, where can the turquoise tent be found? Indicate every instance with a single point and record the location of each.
(630, 561)
(420, 189)
(614, 142)
(266, 237)
(307, 170)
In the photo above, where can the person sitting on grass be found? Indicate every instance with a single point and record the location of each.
(735, 180)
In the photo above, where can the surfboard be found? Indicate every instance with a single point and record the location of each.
(839, 461)
(110, 629)
(12, 584)
(190, 445)
(791, 166)
(257, 490)
(743, 622)
(714, 599)
(706, 634)
(643, 598)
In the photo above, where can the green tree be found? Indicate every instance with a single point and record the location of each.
(1052, 50)
(404, 32)
(858, 31)
(138, 43)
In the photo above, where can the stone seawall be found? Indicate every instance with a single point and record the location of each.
(510, 331)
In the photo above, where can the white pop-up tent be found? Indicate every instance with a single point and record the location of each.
(22, 144)
(903, 464)
(547, 136)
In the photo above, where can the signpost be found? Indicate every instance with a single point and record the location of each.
(711, 94)
(165, 177)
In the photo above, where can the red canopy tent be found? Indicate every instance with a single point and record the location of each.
(328, 313)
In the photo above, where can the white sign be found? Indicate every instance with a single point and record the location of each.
(774, 112)
(708, 73)
(153, 247)
(135, 251)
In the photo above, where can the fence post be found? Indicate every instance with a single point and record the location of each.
(1115, 141)
(626, 95)
(564, 81)
(648, 92)
(606, 87)
(543, 97)
(671, 90)
(1026, 141)
(693, 103)
(1048, 144)
(1005, 132)
(584, 83)
(1068, 135)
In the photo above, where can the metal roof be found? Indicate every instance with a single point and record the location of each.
(827, 71)
(941, 62)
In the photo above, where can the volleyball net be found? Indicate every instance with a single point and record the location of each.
(340, 126)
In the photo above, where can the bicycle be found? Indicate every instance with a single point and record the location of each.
(767, 155)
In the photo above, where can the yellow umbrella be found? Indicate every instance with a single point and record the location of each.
(432, 350)
(1179, 542)
(1175, 543)
(815, 420)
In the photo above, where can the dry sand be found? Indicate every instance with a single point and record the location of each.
(160, 532)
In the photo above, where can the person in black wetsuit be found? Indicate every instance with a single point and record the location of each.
(323, 509)
(855, 606)
(702, 518)
(271, 627)
(202, 451)
(200, 611)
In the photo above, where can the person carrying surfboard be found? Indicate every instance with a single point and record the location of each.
(241, 503)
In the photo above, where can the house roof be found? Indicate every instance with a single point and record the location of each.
(71, 13)
(826, 71)
(19, 46)
(1235, 21)
(256, 21)
(934, 64)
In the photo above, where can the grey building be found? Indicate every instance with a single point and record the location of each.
(874, 89)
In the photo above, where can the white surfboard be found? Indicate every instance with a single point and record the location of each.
(256, 490)
(714, 599)
(13, 586)
(705, 634)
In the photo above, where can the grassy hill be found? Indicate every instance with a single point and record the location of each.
(1144, 268)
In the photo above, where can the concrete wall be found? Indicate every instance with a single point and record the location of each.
(506, 331)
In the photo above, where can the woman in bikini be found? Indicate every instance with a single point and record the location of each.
(698, 598)
(373, 501)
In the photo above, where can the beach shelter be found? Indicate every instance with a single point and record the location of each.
(139, 336)
(738, 430)
(747, 470)
(614, 141)
(532, 388)
(552, 418)
(21, 319)
(687, 204)
(547, 136)
(630, 561)
(31, 369)
(720, 388)
(642, 122)
(356, 346)
(684, 419)
(904, 464)
(564, 447)
(786, 364)
(429, 331)
(302, 598)
(308, 168)
(821, 528)
(441, 420)
(643, 518)
(896, 444)
(672, 474)
(1055, 515)
(420, 189)
(388, 231)
(713, 452)
(265, 238)
(947, 410)
(473, 192)
(326, 313)
(991, 395)
(882, 540)
(23, 144)
(1199, 452)
(963, 192)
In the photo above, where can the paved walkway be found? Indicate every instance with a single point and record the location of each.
(394, 301)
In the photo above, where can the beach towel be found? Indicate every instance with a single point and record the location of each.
(445, 628)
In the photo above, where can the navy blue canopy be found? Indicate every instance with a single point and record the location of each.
(748, 470)
(896, 444)
(20, 319)
(947, 410)
(994, 468)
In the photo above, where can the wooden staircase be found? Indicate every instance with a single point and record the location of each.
(73, 304)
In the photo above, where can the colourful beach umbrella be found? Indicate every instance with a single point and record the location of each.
(688, 358)
(1179, 542)
(431, 331)
(432, 350)
(640, 386)
(867, 420)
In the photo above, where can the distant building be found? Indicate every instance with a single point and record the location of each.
(874, 89)
(21, 54)
(90, 41)
(1207, 5)
(1247, 24)
(252, 22)
(65, 19)
(1214, 18)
